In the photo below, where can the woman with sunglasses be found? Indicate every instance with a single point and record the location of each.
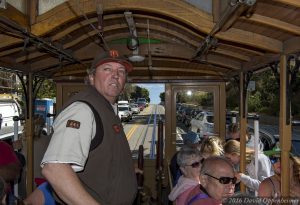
(270, 187)
(189, 162)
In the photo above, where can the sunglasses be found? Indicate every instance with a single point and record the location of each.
(194, 165)
(224, 180)
(274, 159)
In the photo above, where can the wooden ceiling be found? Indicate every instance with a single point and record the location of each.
(61, 43)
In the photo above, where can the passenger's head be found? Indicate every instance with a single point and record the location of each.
(191, 139)
(296, 167)
(275, 161)
(234, 131)
(189, 161)
(108, 74)
(211, 146)
(217, 177)
(232, 151)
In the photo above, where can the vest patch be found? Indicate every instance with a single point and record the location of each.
(73, 124)
(117, 128)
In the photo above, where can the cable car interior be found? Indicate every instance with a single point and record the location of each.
(184, 44)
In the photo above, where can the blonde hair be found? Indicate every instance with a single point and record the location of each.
(212, 146)
(296, 167)
(232, 147)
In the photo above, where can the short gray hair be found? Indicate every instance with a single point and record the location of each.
(185, 153)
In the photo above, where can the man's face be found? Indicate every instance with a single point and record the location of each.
(109, 80)
(216, 189)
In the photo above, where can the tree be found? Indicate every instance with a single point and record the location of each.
(47, 89)
(162, 97)
(139, 92)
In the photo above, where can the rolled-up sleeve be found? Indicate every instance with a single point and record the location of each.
(74, 128)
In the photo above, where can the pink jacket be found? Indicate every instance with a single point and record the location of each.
(182, 189)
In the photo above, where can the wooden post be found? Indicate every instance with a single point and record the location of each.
(285, 128)
(29, 135)
(243, 125)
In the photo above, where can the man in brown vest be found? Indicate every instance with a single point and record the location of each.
(88, 160)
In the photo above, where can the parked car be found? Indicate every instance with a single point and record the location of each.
(8, 110)
(125, 112)
(142, 101)
(186, 115)
(203, 122)
(141, 105)
(135, 108)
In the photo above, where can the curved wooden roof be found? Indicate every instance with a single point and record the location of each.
(61, 43)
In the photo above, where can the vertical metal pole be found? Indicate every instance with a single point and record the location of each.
(48, 123)
(233, 118)
(256, 146)
(16, 137)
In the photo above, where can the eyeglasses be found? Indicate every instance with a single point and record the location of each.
(224, 180)
(194, 165)
(274, 159)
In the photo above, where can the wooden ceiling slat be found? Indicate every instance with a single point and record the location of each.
(292, 46)
(15, 15)
(232, 54)
(295, 3)
(252, 39)
(274, 23)
(245, 43)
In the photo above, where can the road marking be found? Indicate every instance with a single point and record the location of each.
(131, 131)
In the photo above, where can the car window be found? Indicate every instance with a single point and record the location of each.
(210, 119)
(201, 117)
(123, 108)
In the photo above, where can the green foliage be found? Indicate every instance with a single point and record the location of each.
(197, 98)
(254, 102)
(128, 90)
(134, 92)
(266, 97)
(47, 90)
(232, 95)
(162, 97)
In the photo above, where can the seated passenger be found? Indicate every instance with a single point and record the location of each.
(42, 195)
(264, 169)
(233, 132)
(9, 166)
(217, 182)
(189, 161)
(191, 139)
(270, 187)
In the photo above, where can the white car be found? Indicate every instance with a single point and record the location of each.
(125, 112)
(203, 123)
(135, 108)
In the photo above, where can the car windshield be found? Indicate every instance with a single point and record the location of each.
(123, 108)
(210, 119)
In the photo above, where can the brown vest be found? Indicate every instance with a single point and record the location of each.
(109, 171)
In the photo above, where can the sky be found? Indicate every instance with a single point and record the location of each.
(154, 91)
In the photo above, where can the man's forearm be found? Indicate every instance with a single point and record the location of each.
(66, 184)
